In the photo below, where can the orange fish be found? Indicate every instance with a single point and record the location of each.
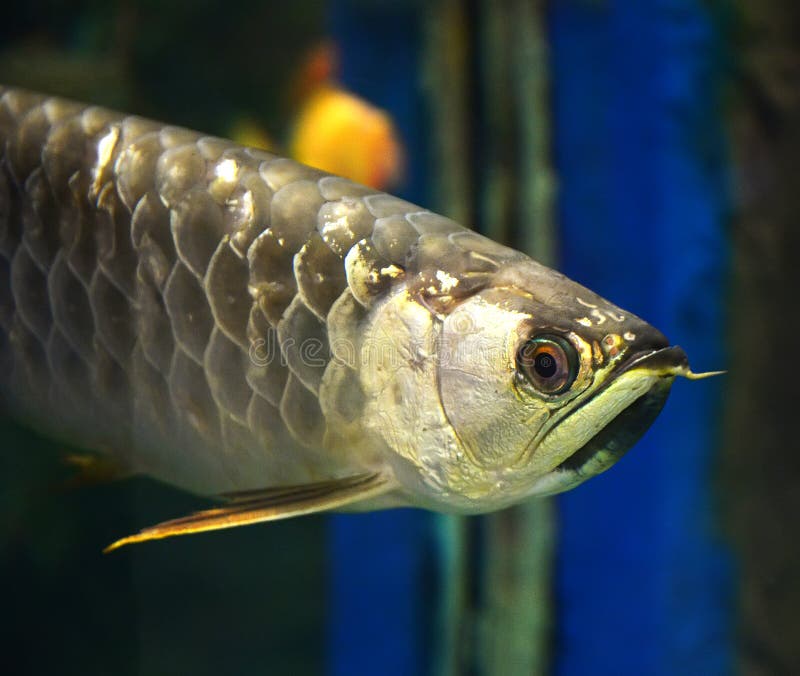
(338, 132)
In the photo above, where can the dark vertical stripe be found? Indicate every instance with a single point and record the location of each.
(643, 582)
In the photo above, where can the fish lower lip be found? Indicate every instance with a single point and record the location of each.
(622, 432)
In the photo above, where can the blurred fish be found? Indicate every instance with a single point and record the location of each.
(340, 133)
(249, 328)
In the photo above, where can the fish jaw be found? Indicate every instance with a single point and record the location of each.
(639, 398)
(651, 372)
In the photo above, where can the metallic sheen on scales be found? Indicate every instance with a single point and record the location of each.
(233, 322)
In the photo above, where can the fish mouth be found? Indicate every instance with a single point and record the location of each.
(620, 434)
(666, 361)
(637, 392)
(624, 430)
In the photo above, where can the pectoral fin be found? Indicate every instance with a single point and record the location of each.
(270, 504)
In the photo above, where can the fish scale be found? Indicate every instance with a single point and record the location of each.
(246, 327)
(151, 261)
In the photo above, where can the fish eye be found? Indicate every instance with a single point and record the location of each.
(549, 363)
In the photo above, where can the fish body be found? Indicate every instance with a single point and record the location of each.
(238, 324)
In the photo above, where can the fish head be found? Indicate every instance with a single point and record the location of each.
(541, 384)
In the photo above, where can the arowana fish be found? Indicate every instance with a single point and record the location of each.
(246, 327)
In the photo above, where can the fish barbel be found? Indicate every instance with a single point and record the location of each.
(252, 329)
